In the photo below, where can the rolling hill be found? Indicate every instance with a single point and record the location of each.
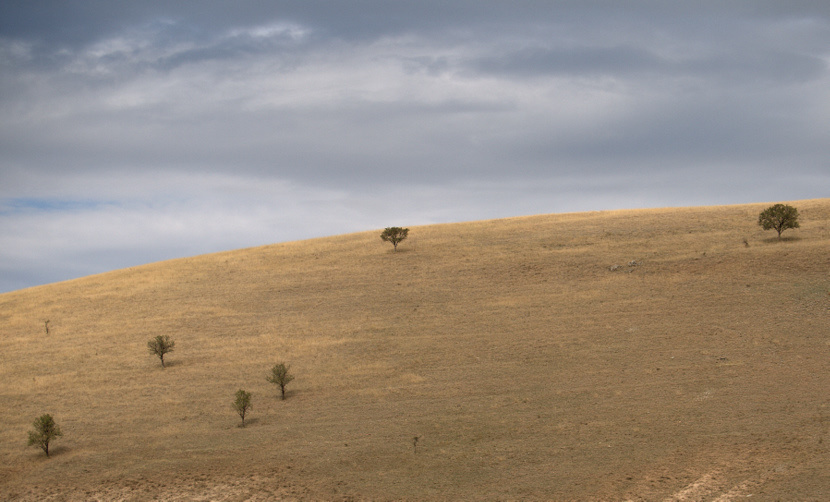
(661, 354)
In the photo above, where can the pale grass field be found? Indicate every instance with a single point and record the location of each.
(528, 369)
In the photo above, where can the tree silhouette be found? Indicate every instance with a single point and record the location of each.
(46, 430)
(779, 217)
(279, 376)
(160, 345)
(394, 235)
(242, 404)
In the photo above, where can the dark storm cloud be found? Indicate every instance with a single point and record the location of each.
(160, 129)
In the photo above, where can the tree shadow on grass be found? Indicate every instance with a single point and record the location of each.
(54, 451)
(288, 394)
(248, 422)
(156, 365)
(784, 238)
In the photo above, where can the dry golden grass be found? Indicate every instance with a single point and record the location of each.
(528, 369)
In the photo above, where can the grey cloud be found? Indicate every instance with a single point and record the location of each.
(627, 62)
(206, 126)
(83, 21)
(581, 61)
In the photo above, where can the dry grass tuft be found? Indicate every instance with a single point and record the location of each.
(526, 367)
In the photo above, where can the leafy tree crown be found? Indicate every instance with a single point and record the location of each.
(280, 376)
(45, 431)
(779, 217)
(394, 235)
(242, 404)
(161, 345)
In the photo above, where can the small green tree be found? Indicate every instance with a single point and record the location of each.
(46, 430)
(279, 376)
(394, 235)
(160, 345)
(242, 404)
(779, 217)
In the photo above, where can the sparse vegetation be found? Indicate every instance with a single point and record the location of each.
(779, 217)
(46, 431)
(280, 377)
(459, 345)
(242, 404)
(161, 345)
(394, 235)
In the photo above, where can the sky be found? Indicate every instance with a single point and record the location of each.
(140, 131)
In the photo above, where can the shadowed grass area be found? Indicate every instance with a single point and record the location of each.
(640, 354)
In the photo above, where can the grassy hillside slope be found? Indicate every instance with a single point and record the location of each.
(528, 368)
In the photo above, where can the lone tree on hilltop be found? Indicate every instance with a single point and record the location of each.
(394, 235)
(780, 217)
(242, 404)
(279, 376)
(160, 345)
(45, 431)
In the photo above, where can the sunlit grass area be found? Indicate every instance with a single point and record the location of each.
(609, 355)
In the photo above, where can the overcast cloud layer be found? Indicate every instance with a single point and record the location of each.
(132, 132)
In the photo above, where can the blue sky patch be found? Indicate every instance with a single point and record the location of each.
(42, 205)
